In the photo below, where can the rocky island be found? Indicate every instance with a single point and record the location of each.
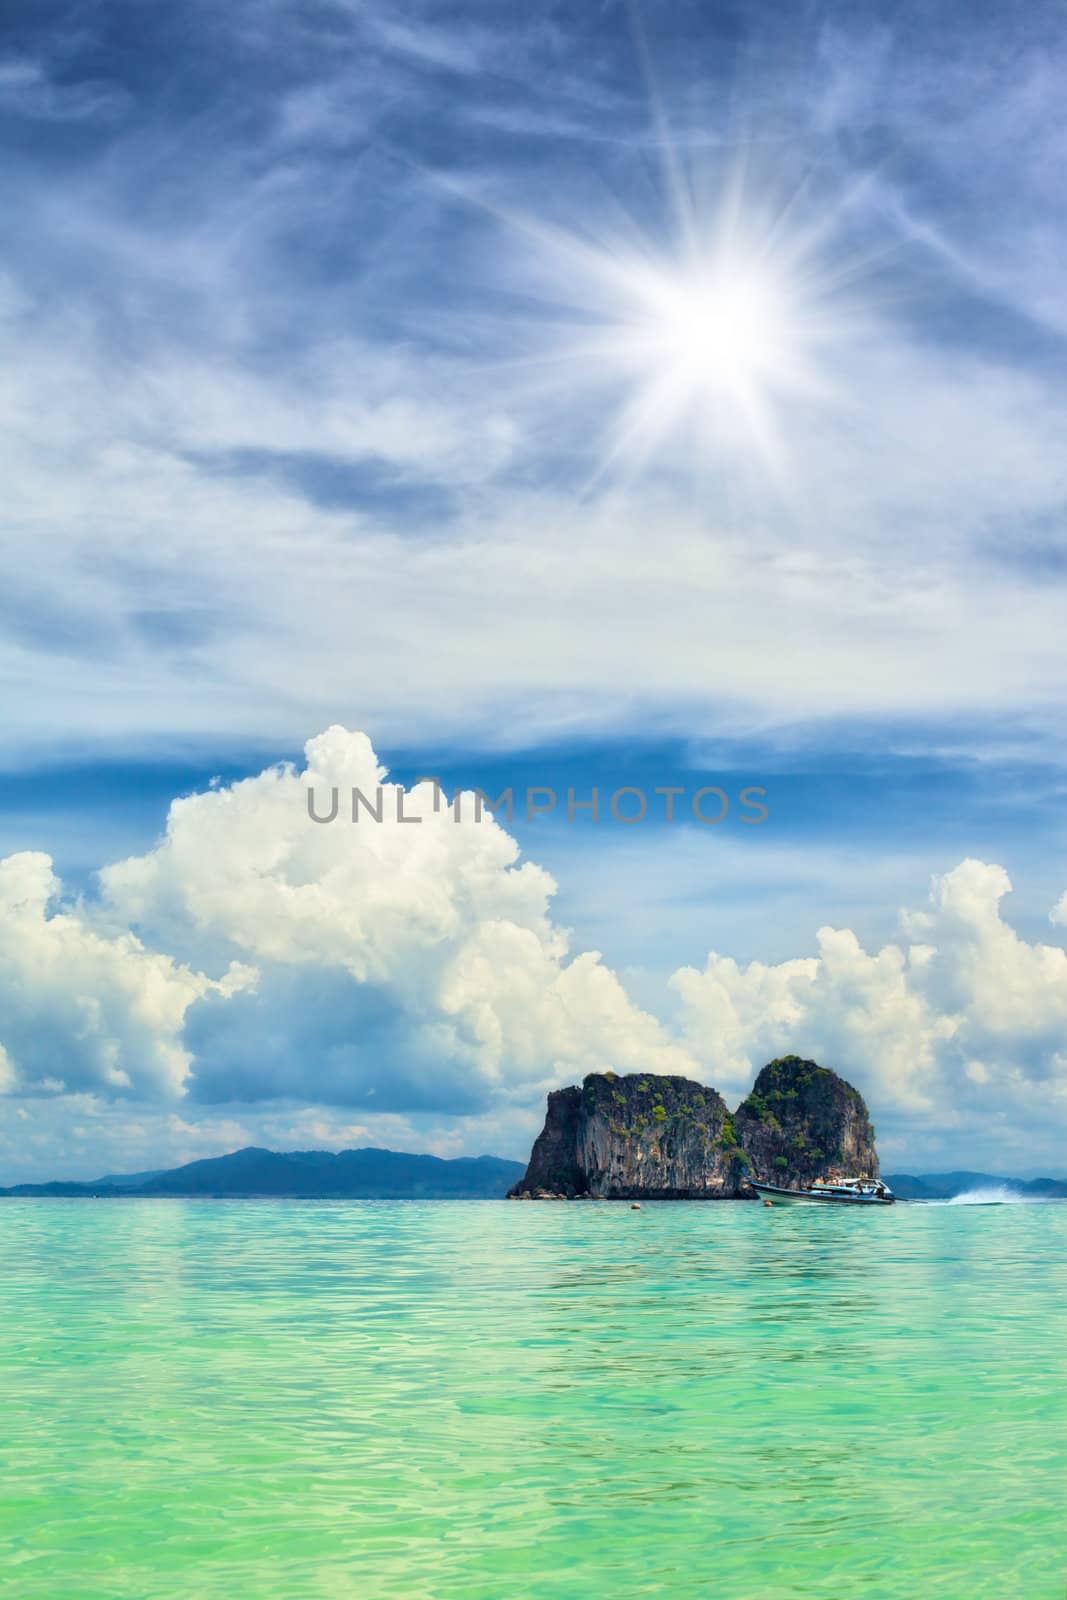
(663, 1138)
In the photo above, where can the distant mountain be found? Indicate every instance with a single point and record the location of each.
(393, 1175)
(945, 1185)
(129, 1180)
(306, 1174)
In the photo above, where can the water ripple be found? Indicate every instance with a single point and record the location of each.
(478, 1401)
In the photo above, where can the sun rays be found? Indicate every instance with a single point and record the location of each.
(696, 338)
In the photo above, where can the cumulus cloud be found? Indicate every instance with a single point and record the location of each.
(400, 964)
(960, 1026)
(405, 980)
(256, 957)
(81, 1008)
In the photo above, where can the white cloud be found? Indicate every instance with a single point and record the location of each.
(961, 1028)
(398, 967)
(256, 959)
(82, 1008)
(208, 454)
(435, 943)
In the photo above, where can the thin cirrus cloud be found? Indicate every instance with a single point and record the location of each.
(310, 377)
(257, 965)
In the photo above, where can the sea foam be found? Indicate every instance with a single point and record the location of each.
(993, 1194)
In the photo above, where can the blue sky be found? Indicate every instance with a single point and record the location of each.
(330, 397)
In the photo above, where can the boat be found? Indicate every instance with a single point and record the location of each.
(828, 1191)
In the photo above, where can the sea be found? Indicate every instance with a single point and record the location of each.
(293, 1400)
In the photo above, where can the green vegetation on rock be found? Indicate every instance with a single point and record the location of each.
(668, 1137)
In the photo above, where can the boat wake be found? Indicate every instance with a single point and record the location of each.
(994, 1194)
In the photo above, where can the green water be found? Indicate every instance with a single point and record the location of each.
(485, 1401)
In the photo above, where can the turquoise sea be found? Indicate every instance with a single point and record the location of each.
(488, 1401)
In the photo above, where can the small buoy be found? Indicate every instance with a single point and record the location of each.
(635, 1206)
(768, 1202)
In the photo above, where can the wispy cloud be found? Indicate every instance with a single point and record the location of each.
(242, 362)
(28, 89)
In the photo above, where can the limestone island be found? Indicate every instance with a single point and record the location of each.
(643, 1137)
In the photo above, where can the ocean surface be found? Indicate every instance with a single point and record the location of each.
(488, 1401)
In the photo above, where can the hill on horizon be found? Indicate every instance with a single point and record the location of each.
(364, 1174)
(375, 1174)
(946, 1185)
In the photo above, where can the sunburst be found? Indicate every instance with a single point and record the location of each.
(705, 334)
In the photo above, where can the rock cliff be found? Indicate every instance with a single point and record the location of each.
(619, 1138)
(802, 1121)
(647, 1137)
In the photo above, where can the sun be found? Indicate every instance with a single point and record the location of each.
(721, 333)
(705, 338)
(726, 332)
(709, 345)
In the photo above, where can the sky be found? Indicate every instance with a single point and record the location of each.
(631, 396)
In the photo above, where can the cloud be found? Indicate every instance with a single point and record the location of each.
(973, 148)
(961, 1028)
(27, 89)
(400, 965)
(279, 438)
(284, 376)
(255, 956)
(85, 1009)
(465, 50)
(256, 959)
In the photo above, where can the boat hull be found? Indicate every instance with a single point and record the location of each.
(806, 1197)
